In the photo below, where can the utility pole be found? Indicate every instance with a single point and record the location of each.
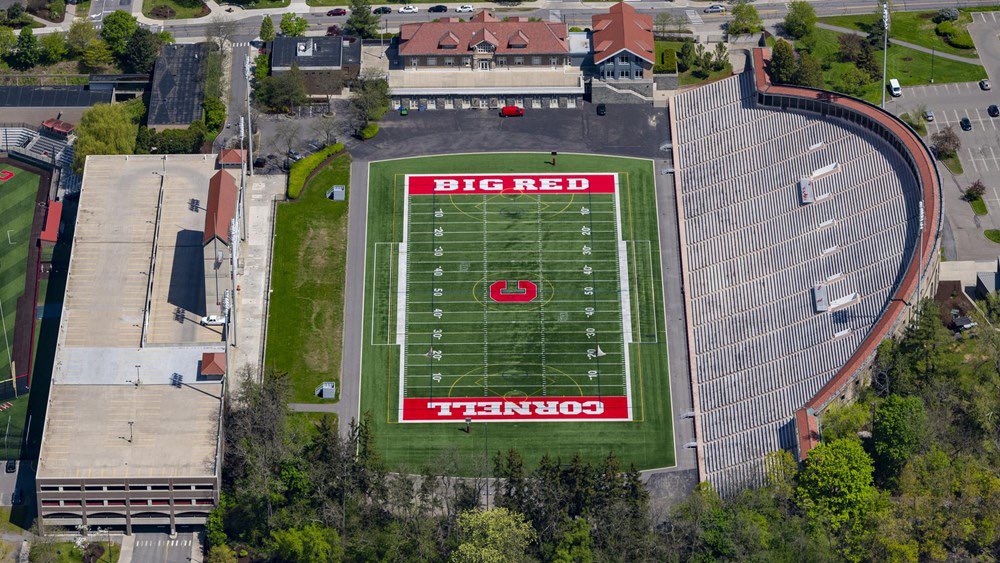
(885, 47)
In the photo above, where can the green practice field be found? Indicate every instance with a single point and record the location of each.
(444, 279)
(17, 206)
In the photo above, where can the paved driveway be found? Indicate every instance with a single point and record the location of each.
(161, 548)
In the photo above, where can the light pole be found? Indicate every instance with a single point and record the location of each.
(885, 47)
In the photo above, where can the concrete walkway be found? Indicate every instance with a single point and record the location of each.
(316, 407)
(949, 56)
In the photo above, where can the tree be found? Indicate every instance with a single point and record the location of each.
(745, 20)
(27, 52)
(853, 81)
(81, 33)
(836, 484)
(7, 41)
(97, 55)
(686, 56)
(141, 51)
(327, 127)
(293, 25)
(947, 15)
(267, 29)
(575, 544)
(283, 91)
(975, 190)
(57, 9)
(309, 544)
(221, 554)
(698, 67)
(15, 12)
(370, 100)
(783, 65)
(800, 19)
(720, 57)
(494, 536)
(361, 21)
(105, 129)
(946, 142)
(53, 46)
(118, 27)
(876, 32)
(809, 71)
(897, 433)
(221, 31)
(215, 113)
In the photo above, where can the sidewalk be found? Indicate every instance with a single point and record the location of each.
(949, 56)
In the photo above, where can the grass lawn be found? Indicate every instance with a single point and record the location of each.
(662, 46)
(305, 327)
(993, 235)
(686, 78)
(978, 206)
(910, 67)
(954, 163)
(912, 27)
(512, 359)
(918, 125)
(67, 552)
(263, 4)
(181, 12)
(17, 208)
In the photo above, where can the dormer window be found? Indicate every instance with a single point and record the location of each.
(484, 47)
(517, 40)
(448, 41)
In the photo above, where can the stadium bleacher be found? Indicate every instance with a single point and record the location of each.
(34, 144)
(754, 251)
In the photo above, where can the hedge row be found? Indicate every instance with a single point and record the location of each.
(369, 131)
(667, 63)
(302, 169)
(955, 35)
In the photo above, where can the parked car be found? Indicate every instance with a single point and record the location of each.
(213, 320)
(993, 110)
(894, 88)
(438, 8)
(16, 499)
(408, 9)
(259, 162)
(11, 466)
(511, 111)
(984, 84)
(382, 10)
(715, 9)
(602, 109)
(295, 156)
(337, 12)
(928, 115)
(464, 9)
(966, 124)
(334, 31)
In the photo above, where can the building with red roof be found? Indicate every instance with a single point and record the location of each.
(624, 49)
(213, 365)
(487, 62)
(53, 214)
(231, 158)
(221, 209)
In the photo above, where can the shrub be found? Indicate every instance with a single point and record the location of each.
(369, 131)
(575, 29)
(667, 63)
(163, 12)
(975, 191)
(947, 14)
(300, 170)
(215, 113)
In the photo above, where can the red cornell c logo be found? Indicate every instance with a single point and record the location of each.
(526, 291)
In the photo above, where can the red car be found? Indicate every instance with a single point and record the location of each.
(337, 12)
(511, 111)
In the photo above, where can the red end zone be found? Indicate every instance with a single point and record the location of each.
(523, 408)
(453, 184)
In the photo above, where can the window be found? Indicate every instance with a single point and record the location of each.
(623, 59)
(622, 74)
(466, 61)
(518, 61)
(484, 47)
(484, 65)
(449, 61)
(637, 73)
(501, 61)
(537, 61)
(432, 61)
(554, 61)
(413, 62)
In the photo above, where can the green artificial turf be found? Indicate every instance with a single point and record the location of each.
(305, 323)
(912, 27)
(646, 441)
(17, 208)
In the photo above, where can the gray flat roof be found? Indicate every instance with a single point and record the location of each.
(311, 53)
(137, 215)
(52, 96)
(174, 431)
(178, 85)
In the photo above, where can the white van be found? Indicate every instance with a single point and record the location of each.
(894, 88)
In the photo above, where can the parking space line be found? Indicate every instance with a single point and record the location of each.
(972, 157)
(994, 154)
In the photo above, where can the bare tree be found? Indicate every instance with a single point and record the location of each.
(221, 31)
(286, 134)
(327, 127)
(946, 142)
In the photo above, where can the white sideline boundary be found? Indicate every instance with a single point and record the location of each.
(625, 297)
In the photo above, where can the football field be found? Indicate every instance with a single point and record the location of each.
(513, 295)
(18, 189)
(502, 289)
